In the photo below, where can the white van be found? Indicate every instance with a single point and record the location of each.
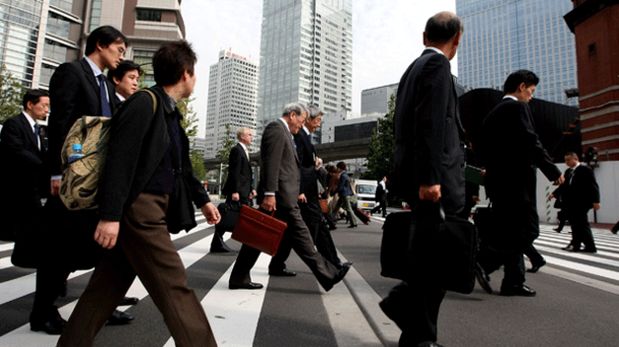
(365, 190)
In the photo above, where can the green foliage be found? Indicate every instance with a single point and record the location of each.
(224, 151)
(11, 93)
(189, 122)
(382, 144)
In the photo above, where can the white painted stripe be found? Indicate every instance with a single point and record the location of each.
(575, 266)
(234, 314)
(344, 308)
(597, 284)
(589, 257)
(605, 248)
(6, 246)
(23, 337)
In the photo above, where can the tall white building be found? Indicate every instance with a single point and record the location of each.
(232, 89)
(305, 56)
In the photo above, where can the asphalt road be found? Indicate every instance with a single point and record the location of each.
(576, 305)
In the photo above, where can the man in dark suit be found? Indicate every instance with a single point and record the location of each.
(510, 150)
(345, 194)
(429, 172)
(26, 181)
(279, 190)
(77, 89)
(238, 187)
(579, 193)
(147, 151)
(126, 79)
(308, 199)
(381, 197)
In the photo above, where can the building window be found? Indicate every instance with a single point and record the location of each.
(149, 15)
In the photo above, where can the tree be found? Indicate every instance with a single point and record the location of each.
(189, 122)
(382, 144)
(224, 151)
(11, 93)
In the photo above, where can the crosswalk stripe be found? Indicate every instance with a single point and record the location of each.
(227, 310)
(23, 337)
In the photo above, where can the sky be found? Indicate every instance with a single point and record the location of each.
(387, 37)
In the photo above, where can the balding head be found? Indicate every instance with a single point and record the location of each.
(443, 31)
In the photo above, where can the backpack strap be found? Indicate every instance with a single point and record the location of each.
(152, 96)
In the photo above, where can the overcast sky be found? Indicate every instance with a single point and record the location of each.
(387, 36)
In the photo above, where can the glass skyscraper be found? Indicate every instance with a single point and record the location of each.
(305, 55)
(501, 36)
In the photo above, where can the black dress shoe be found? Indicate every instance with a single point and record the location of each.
(393, 311)
(221, 249)
(248, 285)
(521, 290)
(535, 268)
(429, 344)
(483, 279)
(51, 327)
(128, 301)
(340, 275)
(589, 250)
(282, 273)
(352, 226)
(571, 248)
(557, 229)
(119, 318)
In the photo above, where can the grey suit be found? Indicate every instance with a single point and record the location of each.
(279, 173)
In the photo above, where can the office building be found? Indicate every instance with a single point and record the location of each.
(376, 100)
(305, 56)
(501, 36)
(232, 93)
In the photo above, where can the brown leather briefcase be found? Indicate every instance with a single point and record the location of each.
(259, 230)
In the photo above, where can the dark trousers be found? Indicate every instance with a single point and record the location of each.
(382, 206)
(319, 231)
(50, 282)
(418, 304)
(218, 236)
(534, 256)
(297, 235)
(144, 249)
(581, 229)
(512, 262)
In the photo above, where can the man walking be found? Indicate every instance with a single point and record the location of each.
(510, 151)
(579, 193)
(345, 194)
(238, 187)
(147, 159)
(381, 197)
(429, 163)
(278, 191)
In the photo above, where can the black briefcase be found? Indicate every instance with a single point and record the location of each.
(229, 212)
(448, 254)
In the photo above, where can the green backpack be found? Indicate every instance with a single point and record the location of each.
(80, 178)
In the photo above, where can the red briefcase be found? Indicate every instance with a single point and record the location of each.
(259, 230)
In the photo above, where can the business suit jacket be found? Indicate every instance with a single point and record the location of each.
(25, 182)
(73, 93)
(428, 133)
(280, 165)
(581, 191)
(309, 179)
(510, 151)
(239, 173)
(139, 140)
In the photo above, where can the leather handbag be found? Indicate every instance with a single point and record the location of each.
(229, 212)
(324, 205)
(448, 254)
(259, 230)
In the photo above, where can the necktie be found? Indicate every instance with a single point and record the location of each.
(106, 111)
(37, 134)
(569, 175)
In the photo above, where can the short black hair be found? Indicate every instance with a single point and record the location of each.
(516, 78)
(122, 68)
(33, 96)
(341, 165)
(105, 36)
(441, 27)
(172, 60)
